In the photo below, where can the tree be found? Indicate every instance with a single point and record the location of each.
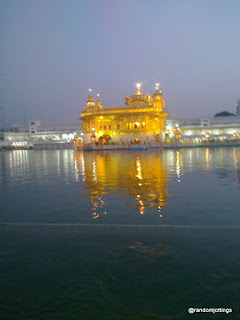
(224, 114)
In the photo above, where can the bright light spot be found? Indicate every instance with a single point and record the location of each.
(138, 85)
(81, 134)
(98, 94)
(90, 90)
(93, 129)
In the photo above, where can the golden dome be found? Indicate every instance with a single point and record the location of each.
(138, 97)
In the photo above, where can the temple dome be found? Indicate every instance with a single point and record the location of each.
(138, 97)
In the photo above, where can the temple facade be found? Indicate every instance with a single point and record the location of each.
(141, 120)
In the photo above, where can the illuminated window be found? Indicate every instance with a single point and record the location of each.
(100, 127)
(105, 127)
(109, 127)
(143, 124)
(118, 126)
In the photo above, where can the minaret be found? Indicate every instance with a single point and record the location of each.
(98, 103)
(238, 108)
(90, 101)
(158, 100)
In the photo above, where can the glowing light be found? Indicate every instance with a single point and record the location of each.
(93, 129)
(178, 166)
(139, 169)
(138, 86)
(90, 90)
(98, 95)
(94, 171)
(207, 157)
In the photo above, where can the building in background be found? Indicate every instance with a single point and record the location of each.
(39, 136)
(215, 129)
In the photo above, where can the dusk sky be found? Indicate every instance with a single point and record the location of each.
(52, 52)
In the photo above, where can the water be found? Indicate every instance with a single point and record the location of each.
(119, 234)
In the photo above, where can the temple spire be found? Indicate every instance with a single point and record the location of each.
(138, 86)
(90, 101)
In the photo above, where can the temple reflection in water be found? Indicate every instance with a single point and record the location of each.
(139, 175)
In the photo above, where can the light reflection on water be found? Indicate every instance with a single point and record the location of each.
(181, 186)
(82, 272)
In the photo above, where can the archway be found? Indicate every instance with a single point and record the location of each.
(105, 139)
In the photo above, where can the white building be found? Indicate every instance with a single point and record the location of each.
(37, 133)
(192, 130)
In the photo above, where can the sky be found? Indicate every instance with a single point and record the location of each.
(52, 52)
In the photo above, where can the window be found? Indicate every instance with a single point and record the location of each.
(105, 127)
(100, 127)
(32, 131)
(143, 124)
(118, 126)
(109, 127)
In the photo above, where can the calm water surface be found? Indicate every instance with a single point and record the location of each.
(119, 234)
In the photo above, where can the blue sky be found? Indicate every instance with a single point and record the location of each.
(54, 51)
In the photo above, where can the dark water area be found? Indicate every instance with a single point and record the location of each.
(119, 234)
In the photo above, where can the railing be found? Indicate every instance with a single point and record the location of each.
(122, 110)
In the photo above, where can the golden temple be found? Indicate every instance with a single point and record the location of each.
(141, 120)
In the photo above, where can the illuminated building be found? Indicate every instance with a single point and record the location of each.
(215, 129)
(141, 120)
(39, 136)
